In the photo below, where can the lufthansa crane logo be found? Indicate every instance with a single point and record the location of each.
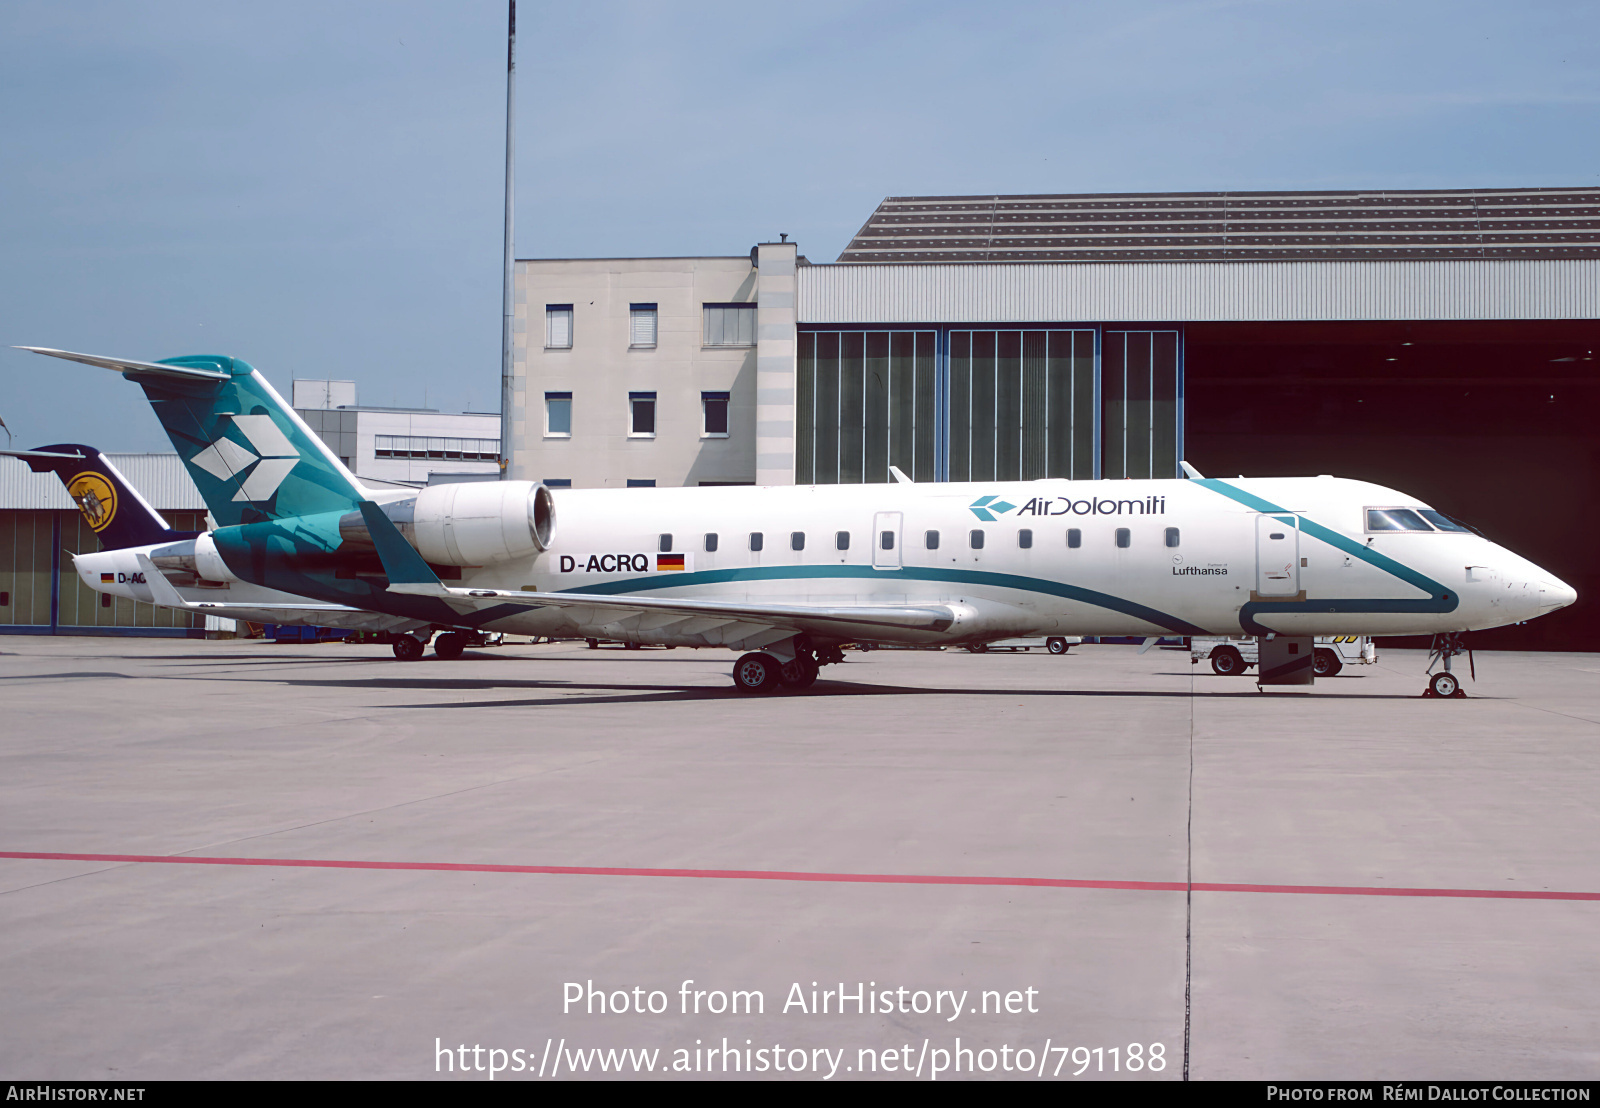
(259, 473)
(96, 498)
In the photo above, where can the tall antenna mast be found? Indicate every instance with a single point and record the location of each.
(508, 296)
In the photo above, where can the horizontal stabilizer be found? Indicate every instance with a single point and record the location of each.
(128, 365)
(43, 454)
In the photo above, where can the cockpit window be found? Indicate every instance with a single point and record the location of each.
(1442, 521)
(1395, 519)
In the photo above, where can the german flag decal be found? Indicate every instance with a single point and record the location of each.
(108, 578)
(669, 562)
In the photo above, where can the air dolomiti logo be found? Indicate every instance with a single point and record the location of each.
(989, 508)
(260, 473)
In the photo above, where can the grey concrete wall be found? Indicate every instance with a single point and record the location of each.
(600, 369)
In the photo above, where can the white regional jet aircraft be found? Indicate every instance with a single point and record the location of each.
(787, 575)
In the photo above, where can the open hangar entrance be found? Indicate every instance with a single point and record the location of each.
(1494, 422)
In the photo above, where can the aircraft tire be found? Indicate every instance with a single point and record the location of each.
(449, 645)
(594, 644)
(977, 648)
(1325, 663)
(408, 648)
(1057, 646)
(799, 674)
(631, 646)
(1445, 684)
(1226, 661)
(756, 673)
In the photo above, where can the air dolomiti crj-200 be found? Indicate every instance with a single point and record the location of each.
(786, 575)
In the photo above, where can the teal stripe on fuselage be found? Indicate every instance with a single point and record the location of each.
(914, 573)
(1439, 598)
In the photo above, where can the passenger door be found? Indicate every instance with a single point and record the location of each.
(886, 540)
(1277, 555)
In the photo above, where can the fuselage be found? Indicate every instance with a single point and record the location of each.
(1250, 555)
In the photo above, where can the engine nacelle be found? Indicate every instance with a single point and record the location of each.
(208, 564)
(477, 523)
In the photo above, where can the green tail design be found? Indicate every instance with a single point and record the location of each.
(250, 455)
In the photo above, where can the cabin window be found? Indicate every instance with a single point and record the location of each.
(757, 540)
(797, 540)
(665, 543)
(1025, 539)
(711, 542)
(1442, 521)
(931, 538)
(1172, 538)
(1395, 519)
(975, 538)
(841, 540)
(886, 540)
(1124, 538)
(1074, 538)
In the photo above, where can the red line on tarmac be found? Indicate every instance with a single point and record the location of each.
(783, 875)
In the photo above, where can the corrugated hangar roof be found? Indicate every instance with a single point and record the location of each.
(1234, 226)
(160, 478)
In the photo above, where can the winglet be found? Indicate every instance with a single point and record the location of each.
(1190, 472)
(899, 476)
(401, 563)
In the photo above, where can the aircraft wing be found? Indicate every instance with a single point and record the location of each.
(595, 608)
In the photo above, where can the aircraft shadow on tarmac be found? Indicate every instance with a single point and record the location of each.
(644, 694)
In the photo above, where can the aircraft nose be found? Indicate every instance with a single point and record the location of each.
(1554, 594)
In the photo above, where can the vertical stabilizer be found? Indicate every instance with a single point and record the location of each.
(116, 511)
(251, 457)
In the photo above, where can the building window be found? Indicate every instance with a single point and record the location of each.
(416, 446)
(797, 540)
(931, 540)
(757, 540)
(558, 326)
(664, 543)
(1025, 539)
(642, 414)
(557, 482)
(1074, 538)
(730, 325)
(714, 406)
(642, 483)
(711, 542)
(558, 414)
(641, 325)
(1172, 537)
(842, 540)
(1124, 538)
(975, 538)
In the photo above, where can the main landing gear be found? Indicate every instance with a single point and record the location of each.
(1446, 683)
(765, 672)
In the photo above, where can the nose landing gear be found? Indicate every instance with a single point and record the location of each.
(1446, 683)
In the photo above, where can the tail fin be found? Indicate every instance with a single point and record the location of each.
(112, 507)
(251, 457)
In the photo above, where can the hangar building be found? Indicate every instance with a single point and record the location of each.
(1440, 342)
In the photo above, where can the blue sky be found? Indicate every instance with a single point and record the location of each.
(316, 187)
